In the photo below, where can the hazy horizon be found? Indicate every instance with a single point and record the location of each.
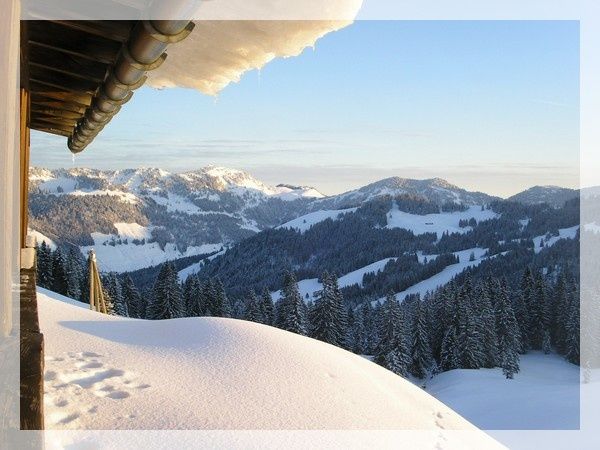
(491, 106)
(305, 184)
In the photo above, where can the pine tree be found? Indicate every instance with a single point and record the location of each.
(193, 296)
(44, 265)
(422, 361)
(219, 304)
(371, 337)
(538, 310)
(449, 356)
(436, 319)
(208, 296)
(450, 352)
(487, 326)
(74, 272)
(291, 310)
(112, 286)
(560, 314)
(167, 302)
(133, 299)
(252, 311)
(529, 309)
(470, 337)
(572, 344)
(328, 318)
(266, 307)
(393, 350)
(59, 275)
(507, 331)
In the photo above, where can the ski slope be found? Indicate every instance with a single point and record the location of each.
(107, 372)
(544, 395)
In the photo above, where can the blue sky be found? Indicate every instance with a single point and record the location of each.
(490, 106)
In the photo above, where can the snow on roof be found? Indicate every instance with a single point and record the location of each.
(218, 53)
(214, 373)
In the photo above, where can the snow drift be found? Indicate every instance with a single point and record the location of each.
(106, 372)
(219, 52)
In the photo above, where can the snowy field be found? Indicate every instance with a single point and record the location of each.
(437, 223)
(106, 372)
(563, 233)
(128, 256)
(544, 395)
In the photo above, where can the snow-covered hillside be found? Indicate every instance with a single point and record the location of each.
(544, 395)
(436, 281)
(549, 241)
(303, 223)
(174, 215)
(437, 223)
(107, 372)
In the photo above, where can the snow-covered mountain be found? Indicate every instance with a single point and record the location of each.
(435, 190)
(553, 195)
(136, 218)
(207, 182)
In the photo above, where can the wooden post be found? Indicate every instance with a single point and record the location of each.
(97, 302)
(24, 165)
(31, 339)
(92, 283)
(32, 347)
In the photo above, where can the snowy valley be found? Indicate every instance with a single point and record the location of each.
(456, 291)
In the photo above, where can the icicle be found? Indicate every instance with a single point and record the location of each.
(73, 159)
(216, 99)
(259, 74)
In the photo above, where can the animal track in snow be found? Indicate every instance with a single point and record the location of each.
(74, 382)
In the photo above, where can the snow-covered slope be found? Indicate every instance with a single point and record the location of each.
(544, 395)
(308, 288)
(303, 223)
(438, 280)
(107, 372)
(549, 241)
(437, 223)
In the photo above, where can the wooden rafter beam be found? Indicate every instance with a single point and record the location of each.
(55, 120)
(59, 38)
(115, 30)
(42, 102)
(67, 82)
(54, 112)
(55, 61)
(62, 95)
(45, 128)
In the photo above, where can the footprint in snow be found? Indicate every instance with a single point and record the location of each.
(79, 377)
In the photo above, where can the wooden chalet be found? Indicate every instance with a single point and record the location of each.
(74, 78)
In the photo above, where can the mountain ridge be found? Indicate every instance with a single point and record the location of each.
(144, 216)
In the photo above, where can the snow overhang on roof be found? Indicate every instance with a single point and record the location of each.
(80, 73)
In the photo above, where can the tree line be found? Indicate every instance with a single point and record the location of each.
(465, 324)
